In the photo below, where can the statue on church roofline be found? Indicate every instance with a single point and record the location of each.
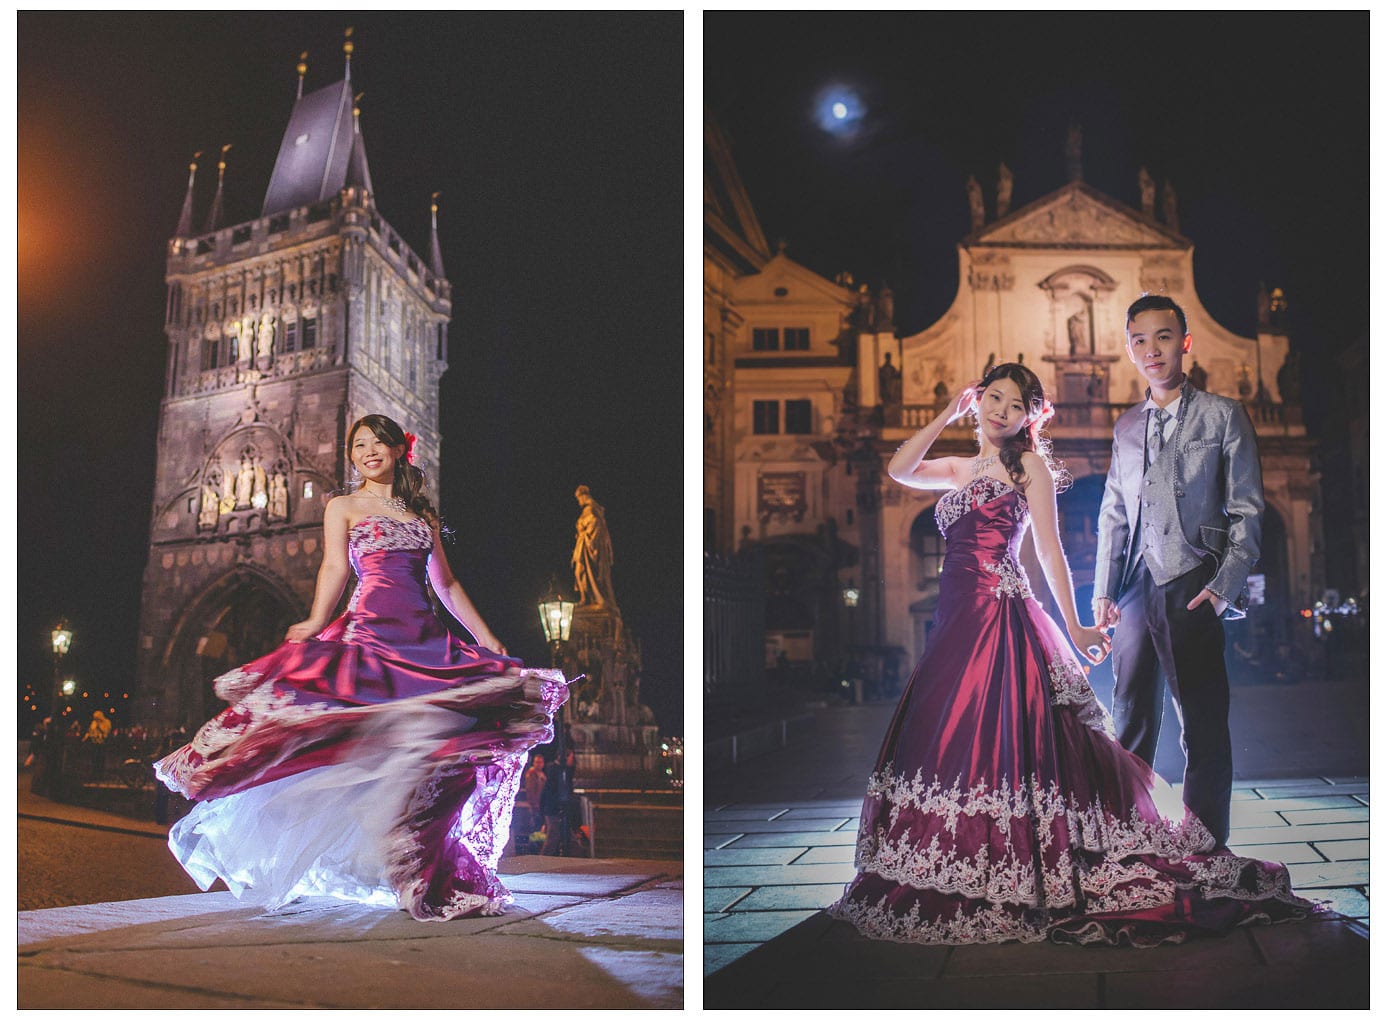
(975, 202)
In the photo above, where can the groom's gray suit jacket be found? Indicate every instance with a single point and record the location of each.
(1201, 498)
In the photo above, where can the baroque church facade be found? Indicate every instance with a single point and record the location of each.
(818, 388)
(281, 331)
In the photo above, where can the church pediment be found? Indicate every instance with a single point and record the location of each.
(1077, 216)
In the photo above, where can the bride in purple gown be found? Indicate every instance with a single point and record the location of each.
(377, 757)
(1001, 807)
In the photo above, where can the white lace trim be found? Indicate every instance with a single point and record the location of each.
(383, 532)
(998, 871)
(955, 504)
(1070, 689)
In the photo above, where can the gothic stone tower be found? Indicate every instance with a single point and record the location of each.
(281, 331)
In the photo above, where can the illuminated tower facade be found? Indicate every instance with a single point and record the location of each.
(281, 331)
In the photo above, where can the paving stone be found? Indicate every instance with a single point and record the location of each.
(1338, 873)
(826, 855)
(1256, 820)
(393, 973)
(1224, 951)
(756, 926)
(40, 987)
(719, 955)
(653, 915)
(719, 898)
(818, 811)
(657, 977)
(798, 874)
(1297, 781)
(1290, 804)
(1347, 902)
(1238, 838)
(1330, 986)
(1281, 853)
(1326, 816)
(765, 855)
(1343, 850)
(572, 883)
(1000, 991)
(1310, 942)
(1364, 798)
(717, 841)
(781, 825)
(1348, 779)
(798, 839)
(1283, 793)
(1244, 795)
(790, 897)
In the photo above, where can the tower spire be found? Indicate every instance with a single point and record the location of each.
(214, 217)
(302, 69)
(185, 218)
(347, 48)
(358, 172)
(435, 251)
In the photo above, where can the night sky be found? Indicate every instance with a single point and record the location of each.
(557, 141)
(1259, 121)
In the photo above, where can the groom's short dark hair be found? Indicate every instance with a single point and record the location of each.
(1152, 301)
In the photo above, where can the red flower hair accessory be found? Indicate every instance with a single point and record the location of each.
(409, 446)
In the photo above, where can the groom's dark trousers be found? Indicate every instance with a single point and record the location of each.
(1158, 637)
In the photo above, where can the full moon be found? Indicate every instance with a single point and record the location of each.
(840, 111)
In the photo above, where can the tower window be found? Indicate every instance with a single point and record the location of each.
(766, 417)
(310, 332)
(766, 338)
(291, 336)
(308, 489)
(799, 416)
(797, 338)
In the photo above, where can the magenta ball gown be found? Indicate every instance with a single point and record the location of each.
(1001, 806)
(378, 761)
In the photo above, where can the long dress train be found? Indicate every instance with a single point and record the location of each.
(378, 761)
(1001, 807)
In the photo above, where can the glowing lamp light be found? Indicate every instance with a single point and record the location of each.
(556, 616)
(259, 500)
(69, 686)
(851, 596)
(62, 639)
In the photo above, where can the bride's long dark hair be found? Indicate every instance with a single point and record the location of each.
(1032, 437)
(409, 481)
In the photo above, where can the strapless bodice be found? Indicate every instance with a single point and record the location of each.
(983, 523)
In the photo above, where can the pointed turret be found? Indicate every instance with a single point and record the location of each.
(185, 218)
(358, 172)
(302, 69)
(347, 48)
(214, 217)
(435, 252)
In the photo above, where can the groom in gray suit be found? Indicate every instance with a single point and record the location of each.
(1179, 531)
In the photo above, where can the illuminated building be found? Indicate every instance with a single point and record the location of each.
(809, 388)
(281, 331)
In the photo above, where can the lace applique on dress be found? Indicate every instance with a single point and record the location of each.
(381, 532)
(955, 504)
(1070, 688)
(1012, 580)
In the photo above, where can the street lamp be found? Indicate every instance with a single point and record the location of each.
(556, 617)
(62, 642)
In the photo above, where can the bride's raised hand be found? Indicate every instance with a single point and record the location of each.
(1093, 643)
(965, 400)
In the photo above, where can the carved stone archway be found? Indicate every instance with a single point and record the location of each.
(237, 617)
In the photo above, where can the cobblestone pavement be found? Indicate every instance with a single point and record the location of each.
(778, 847)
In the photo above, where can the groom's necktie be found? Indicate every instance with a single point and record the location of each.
(1158, 440)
